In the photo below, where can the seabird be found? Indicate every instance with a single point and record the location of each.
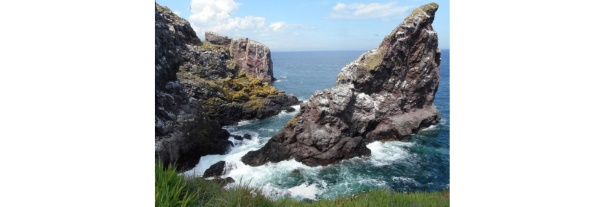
(376, 34)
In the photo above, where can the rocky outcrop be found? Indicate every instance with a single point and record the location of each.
(198, 88)
(386, 94)
(216, 169)
(209, 73)
(183, 132)
(252, 57)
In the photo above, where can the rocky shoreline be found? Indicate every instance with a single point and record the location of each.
(386, 94)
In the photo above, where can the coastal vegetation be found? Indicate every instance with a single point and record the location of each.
(172, 189)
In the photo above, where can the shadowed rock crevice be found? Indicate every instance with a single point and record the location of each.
(386, 94)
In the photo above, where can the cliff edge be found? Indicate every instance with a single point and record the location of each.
(251, 56)
(386, 94)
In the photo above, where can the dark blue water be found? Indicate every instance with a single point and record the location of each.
(422, 164)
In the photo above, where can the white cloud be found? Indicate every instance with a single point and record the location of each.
(177, 13)
(277, 25)
(386, 11)
(204, 11)
(220, 16)
(339, 7)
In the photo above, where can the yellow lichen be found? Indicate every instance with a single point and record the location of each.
(371, 61)
(215, 49)
(419, 10)
(292, 121)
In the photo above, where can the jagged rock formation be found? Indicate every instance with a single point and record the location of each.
(386, 94)
(199, 88)
(183, 133)
(252, 57)
(210, 74)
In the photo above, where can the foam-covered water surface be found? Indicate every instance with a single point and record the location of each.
(420, 164)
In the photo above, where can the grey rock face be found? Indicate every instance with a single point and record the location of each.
(386, 94)
(252, 57)
(217, 39)
(182, 131)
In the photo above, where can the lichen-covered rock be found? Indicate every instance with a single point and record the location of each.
(199, 88)
(386, 94)
(252, 57)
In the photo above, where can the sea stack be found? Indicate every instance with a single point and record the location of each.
(386, 94)
(251, 56)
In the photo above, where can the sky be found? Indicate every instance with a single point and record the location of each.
(311, 25)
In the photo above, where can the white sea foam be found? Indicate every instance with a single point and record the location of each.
(296, 109)
(429, 128)
(306, 191)
(388, 152)
(405, 180)
(245, 122)
(313, 185)
(270, 173)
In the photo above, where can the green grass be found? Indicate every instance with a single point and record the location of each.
(174, 190)
(170, 187)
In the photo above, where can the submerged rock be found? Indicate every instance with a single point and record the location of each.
(386, 94)
(252, 57)
(247, 136)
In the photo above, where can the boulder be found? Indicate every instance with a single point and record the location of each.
(217, 169)
(247, 136)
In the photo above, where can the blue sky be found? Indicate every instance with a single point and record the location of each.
(312, 25)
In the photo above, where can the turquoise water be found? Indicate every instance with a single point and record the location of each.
(420, 164)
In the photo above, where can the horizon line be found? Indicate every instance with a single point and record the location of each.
(333, 50)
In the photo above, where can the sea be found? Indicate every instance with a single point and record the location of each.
(420, 164)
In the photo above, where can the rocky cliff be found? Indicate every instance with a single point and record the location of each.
(199, 88)
(252, 57)
(386, 94)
